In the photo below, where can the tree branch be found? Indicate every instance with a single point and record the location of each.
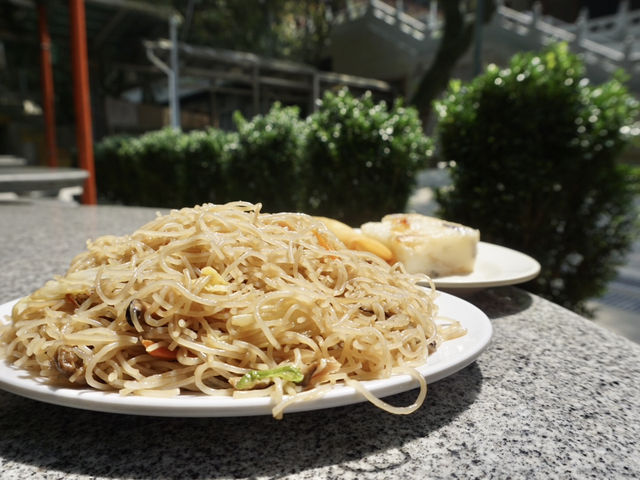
(456, 39)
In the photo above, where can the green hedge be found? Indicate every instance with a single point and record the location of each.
(363, 157)
(265, 159)
(353, 159)
(165, 168)
(533, 151)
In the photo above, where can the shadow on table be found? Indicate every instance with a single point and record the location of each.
(360, 438)
(501, 301)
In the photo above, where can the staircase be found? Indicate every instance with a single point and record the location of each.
(376, 39)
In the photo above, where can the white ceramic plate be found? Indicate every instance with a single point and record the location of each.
(451, 357)
(495, 266)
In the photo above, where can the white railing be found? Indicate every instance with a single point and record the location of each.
(541, 31)
(585, 36)
(390, 15)
(620, 25)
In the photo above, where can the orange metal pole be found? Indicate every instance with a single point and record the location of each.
(82, 99)
(48, 99)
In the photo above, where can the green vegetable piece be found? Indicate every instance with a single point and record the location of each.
(287, 373)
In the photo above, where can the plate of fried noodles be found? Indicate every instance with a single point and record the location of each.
(224, 310)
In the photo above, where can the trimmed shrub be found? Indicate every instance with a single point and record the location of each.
(205, 163)
(265, 159)
(362, 157)
(112, 171)
(532, 150)
(353, 159)
(165, 168)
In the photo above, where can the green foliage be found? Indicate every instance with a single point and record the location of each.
(204, 159)
(533, 151)
(353, 159)
(265, 159)
(165, 168)
(288, 29)
(363, 157)
(112, 171)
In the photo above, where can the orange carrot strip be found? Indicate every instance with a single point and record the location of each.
(322, 240)
(159, 352)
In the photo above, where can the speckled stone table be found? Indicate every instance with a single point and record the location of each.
(554, 396)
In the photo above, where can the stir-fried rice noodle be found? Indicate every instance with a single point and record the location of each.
(226, 300)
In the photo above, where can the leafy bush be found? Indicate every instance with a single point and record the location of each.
(265, 159)
(362, 157)
(353, 159)
(204, 157)
(112, 171)
(159, 175)
(165, 168)
(533, 150)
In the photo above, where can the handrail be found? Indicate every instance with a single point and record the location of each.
(531, 24)
(563, 33)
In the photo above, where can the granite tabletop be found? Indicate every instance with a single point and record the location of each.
(553, 396)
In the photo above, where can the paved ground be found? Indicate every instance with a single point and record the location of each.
(617, 310)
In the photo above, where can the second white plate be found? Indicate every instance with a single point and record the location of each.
(495, 266)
